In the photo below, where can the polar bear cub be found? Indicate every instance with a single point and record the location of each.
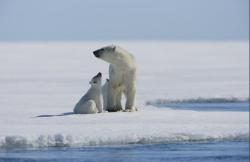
(91, 102)
(122, 77)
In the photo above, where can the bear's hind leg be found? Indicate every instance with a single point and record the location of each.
(130, 100)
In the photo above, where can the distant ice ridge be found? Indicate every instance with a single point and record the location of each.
(199, 100)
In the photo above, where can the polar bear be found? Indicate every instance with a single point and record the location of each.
(122, 77)
(91, 102)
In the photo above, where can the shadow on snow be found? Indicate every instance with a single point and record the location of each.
(63, 114)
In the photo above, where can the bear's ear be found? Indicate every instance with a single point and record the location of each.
(113, 48)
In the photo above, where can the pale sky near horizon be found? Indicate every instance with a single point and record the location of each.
(76, 20)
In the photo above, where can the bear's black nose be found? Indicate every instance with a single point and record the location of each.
(98, 53)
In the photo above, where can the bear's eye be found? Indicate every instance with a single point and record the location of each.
(94, 81)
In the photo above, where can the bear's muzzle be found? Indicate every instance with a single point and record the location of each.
(98, 53)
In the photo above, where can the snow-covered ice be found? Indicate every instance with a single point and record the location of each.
(47, 79)
(146, 126)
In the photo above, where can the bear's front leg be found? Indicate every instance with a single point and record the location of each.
(118, 103)
(130, 95)
(112, 95)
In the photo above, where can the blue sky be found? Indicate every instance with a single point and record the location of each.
(77, 20)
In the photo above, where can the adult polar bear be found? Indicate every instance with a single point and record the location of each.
(122, 77)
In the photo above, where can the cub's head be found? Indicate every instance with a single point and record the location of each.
(96, 80)
(111, 54)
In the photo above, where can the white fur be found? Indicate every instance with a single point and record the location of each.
(87, 107)
(105, 94)
(122, 75)
(91, 102)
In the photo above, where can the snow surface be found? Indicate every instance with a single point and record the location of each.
(47, 79)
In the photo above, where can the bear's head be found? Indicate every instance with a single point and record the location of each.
(96, 80)
(111, 54)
